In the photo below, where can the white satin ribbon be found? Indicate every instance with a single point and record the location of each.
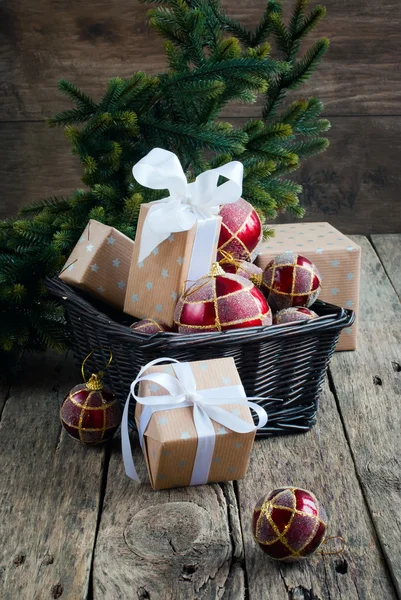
(182, 392)
(188, 203)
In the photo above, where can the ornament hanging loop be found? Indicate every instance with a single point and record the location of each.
(333, 552)
(95, 380)
(228, 259)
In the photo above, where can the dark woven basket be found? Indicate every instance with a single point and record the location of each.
(282, 361)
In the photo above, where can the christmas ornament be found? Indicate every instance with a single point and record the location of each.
(221, 301)
(289, 524)
(150, 326)
(250, 271)
(241, 231)
(90, 412)
(291, 280)
(295, 313)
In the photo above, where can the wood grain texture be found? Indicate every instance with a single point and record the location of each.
(368, 389)
(354, 185)
(35, 163)
(49, 491)
(90, 42)
(321, 462)
(180, 543)
(388, 247)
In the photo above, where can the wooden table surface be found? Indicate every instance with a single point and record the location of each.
(73, 526)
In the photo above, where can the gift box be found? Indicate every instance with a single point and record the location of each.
(177, 236)
(336, 256)
(156, 283)
(181, 445)
(100, 262)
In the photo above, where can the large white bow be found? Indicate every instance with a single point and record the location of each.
(182, 392)
(187, 202)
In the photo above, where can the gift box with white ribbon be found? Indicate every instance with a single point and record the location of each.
(194, 423)
(177, 236)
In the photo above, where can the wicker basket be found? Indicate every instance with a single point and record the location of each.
(282, 361)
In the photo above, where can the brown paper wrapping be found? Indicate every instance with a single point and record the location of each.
(170, 440)
(155, 284)
(100, 262)
(336, 256)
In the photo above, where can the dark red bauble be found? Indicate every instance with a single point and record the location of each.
(150, 326)
(244, 269)
(291, 280)
(241, 231)
(221, 301)
(91, 413)
(295, 313)
(289, 524)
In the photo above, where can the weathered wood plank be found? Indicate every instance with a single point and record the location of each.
(90, 42)
(181, 543)
(38, 164)
(368, 389)
(320, 461)
(49, 491)
(388, 247)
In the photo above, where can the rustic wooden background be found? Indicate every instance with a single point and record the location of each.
(355, 184)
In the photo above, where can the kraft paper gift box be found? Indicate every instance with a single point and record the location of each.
(177, 236)
(336, 256)
(100, 262)
(156, 283)
(170, 439)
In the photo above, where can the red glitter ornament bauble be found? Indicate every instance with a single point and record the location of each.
(243, 268)
(291, 280)
(295, 313)
(289, 524)
(241, 231)
(150, 326)
(221, 301)
(90, 412)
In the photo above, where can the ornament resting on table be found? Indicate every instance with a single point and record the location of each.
(150, 326)
(241, 231)
(289, 524)
(221, 301)
(291, 280)
(90, 412)
(295, 313)
(245, 269)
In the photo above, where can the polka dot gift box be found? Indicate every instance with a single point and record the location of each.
(99, 263)
(175, 455)
(335, 255)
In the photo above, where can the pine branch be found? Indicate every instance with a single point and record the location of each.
(303, 69)
(265, 25)
(54, 203)
(82, 101)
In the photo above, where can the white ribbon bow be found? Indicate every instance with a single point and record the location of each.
(182, 392)
(187, 203)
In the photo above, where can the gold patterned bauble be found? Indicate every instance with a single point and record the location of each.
(289, 524)
(241, 231)
(90, 412)
(221, 301)
(291, 280)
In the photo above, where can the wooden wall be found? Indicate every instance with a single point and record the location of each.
(355, 184)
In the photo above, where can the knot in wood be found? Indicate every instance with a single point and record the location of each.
(169, 530)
